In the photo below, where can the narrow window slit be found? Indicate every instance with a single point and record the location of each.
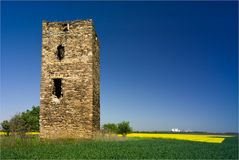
(57, 91)
(60, 52)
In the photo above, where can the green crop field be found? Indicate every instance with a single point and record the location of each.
(132, 148)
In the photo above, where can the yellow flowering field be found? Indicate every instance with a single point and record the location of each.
(32, 133)
(189, 137)
(2, 133)
(28, 133)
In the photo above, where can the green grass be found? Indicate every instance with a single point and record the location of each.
(33, 148)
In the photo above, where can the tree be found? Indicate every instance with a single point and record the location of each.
(31, 118)
(124, 128)
(18, 125)
(110, 128)
(6, 126)
(23, 122)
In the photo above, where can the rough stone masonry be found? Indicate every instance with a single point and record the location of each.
(70, 80)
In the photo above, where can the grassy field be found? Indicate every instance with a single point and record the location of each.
(131, 148)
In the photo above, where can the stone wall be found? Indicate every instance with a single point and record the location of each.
(70, 54)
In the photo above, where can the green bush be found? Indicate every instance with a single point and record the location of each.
(17, 125)
(6, 126)
(110, 128)
(23, 122)
(124, 128)
(31, 118)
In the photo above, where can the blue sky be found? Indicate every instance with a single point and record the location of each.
(163, 64)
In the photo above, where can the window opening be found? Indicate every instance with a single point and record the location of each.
(60, 52)
(66, 27)
(57, 91)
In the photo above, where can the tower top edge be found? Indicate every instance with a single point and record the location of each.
(70, 21)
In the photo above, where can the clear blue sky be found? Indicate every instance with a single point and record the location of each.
(163, 64)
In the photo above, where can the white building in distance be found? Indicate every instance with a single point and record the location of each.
(176, 130)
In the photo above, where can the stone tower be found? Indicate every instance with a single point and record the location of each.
(70, 80)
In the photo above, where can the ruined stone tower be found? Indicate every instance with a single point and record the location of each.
(70, 80)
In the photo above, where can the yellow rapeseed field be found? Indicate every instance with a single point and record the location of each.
(189, 137)
(28, 133)
(2, 133)
(32, 133)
